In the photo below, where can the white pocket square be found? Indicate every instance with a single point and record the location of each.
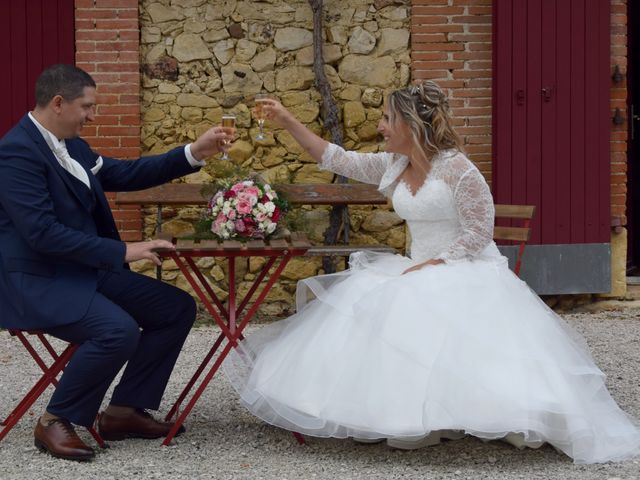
(98, 166)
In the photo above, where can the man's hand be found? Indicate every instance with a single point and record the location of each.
(215, 140)
(146, 250)
(415, 268)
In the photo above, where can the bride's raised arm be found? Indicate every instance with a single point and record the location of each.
(364, 167)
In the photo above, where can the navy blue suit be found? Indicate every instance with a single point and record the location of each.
(62, 270)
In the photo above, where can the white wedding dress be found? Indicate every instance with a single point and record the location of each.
(463, 345)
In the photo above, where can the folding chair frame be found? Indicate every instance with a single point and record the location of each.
(49, 377)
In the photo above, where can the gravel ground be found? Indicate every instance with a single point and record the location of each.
(225, 442)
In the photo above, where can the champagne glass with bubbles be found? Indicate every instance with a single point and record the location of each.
(228, 123)
(260, 99)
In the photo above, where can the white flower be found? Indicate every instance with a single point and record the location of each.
(270, 207)
(219, 201)
(271, 227)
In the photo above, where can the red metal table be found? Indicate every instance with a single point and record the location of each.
(233, 317)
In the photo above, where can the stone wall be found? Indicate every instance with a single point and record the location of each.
(203, 58)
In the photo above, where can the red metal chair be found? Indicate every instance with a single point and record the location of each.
(49, 377)
(520, 234)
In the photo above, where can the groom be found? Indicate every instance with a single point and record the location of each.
(63, 267)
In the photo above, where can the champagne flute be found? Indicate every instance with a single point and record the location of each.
(259, 113)
(228, 123)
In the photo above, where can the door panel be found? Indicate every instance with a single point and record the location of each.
(551, 115)
(33, 35)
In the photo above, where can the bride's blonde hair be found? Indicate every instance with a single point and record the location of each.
(424, 107)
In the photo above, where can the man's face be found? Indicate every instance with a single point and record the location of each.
(73, 114)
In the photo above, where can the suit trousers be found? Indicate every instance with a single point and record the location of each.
(132, 319)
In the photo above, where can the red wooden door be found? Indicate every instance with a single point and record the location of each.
(33, 35)
(551, 115)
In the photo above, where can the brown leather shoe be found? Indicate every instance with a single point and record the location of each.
(139, 424)
(61, 440)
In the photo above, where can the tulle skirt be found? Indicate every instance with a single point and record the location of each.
(466, 346)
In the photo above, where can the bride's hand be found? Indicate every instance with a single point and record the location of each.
(419, 266)
(277, 113)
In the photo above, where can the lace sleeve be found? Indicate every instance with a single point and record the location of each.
(364, 167)
(476, 212)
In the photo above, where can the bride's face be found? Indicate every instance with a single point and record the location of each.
(396, 133)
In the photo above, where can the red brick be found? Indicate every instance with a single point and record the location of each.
(418, 27)
(428, 37)
(131, 236)
(117, 67)
(119, 4)
(119, 45)
(426, 65)
(119, 131)
(418, 55)
(119, 24)
(118, 109)
(437, 47)
(432, 20)
(480, 10)
(436, 10)
(472, 55)
(130, 141)
(122, 152)
(96, 35)
(96, 56)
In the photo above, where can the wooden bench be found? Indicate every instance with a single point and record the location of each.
(178, 194)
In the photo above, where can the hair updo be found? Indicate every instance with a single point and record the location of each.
(424, 107)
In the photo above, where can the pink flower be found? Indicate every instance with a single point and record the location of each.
(239, 226)
(238, 187)
(244, 196)
(232, 214)
(243, 207)
(252, 191)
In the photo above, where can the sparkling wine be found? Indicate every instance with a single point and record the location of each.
(259, 111)
(228, 121)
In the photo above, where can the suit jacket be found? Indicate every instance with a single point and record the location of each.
(55, 233)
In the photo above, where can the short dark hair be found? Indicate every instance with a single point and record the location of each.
(67, 81)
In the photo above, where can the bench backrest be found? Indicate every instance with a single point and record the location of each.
(329, 194)
(519, 234)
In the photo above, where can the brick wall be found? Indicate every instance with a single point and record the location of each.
(107, 47)
(451, 44)
(619, 100)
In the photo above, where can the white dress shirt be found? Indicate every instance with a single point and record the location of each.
(59, 149)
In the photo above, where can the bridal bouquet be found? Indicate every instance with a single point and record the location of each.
(247, 209)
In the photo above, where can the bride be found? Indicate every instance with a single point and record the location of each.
(443, 343)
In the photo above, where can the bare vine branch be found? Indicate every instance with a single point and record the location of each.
(339, 216)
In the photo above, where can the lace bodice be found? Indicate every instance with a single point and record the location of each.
(451, 215)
